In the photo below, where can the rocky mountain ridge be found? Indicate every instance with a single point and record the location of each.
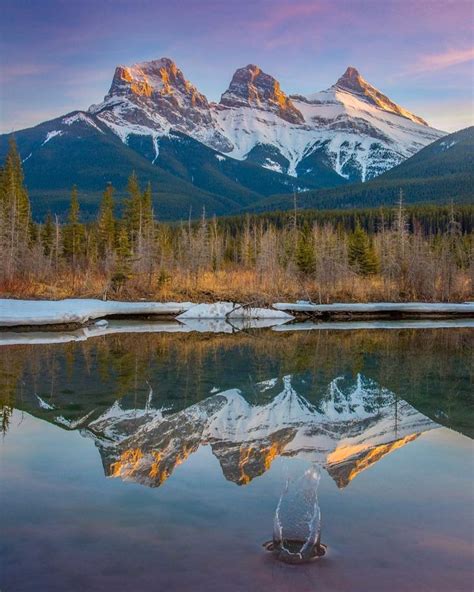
(256, 142)
(351, 129)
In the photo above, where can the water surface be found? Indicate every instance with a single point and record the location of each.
(157, 461)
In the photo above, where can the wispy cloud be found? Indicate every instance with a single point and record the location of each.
(441, 61)
(283, 24)
(9, 72)
(275, 16)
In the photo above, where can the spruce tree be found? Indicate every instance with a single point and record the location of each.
(47, 235)
(362, 255)
(73, 231)
(133, 214)
(123, 251)
(147, 209)
(106, 223)
(123, 248)
(15, 209)
(304, 256)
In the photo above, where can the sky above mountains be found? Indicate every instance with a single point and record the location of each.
(58, 55)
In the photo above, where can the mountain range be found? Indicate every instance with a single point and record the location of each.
(254, 143)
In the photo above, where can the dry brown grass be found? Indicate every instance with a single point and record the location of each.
(235, 284)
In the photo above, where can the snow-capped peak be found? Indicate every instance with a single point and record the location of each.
(153, 80)
(251, 87)
(153, 98)
(351, 81)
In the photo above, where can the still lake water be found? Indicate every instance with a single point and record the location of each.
(156, 461)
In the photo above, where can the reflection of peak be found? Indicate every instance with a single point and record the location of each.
(346, 400)
(354, 424)
(343, 471)
(241, 462)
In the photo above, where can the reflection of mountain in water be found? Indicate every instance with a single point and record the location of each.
(353, 425)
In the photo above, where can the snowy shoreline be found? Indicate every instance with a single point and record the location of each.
(76, 313)
(418, 308)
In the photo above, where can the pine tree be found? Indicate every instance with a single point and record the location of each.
(133, 214)
(13, 195)
(123, 251)
(15, 211)
(47, 235)
(362, 254)
(106, 223)
(147, 210)
(305, 256)
(73, 241)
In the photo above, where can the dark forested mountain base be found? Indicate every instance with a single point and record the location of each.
(428, 219)
(439, 173)
(185, 175)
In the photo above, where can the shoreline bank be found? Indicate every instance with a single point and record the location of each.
(73, 314)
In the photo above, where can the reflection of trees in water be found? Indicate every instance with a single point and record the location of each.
(12, 367)
(432, 369)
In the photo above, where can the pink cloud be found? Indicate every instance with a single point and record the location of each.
(292, 24)
(440, 61)
(282, 14)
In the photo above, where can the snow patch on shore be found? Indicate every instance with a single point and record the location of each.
(230, 310)
(75, 310)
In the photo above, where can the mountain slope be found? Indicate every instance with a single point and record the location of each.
(452, 155)
(438, 173)
(80, 149)
(255, 120)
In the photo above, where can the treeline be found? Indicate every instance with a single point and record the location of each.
(440, 189)
(428, 219)
(388, 254)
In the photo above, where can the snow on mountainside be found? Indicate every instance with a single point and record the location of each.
(350, 131)
(351, 81)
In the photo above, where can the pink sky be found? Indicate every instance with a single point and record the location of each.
(59, 55)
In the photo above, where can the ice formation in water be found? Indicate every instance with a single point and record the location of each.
(297, 522)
